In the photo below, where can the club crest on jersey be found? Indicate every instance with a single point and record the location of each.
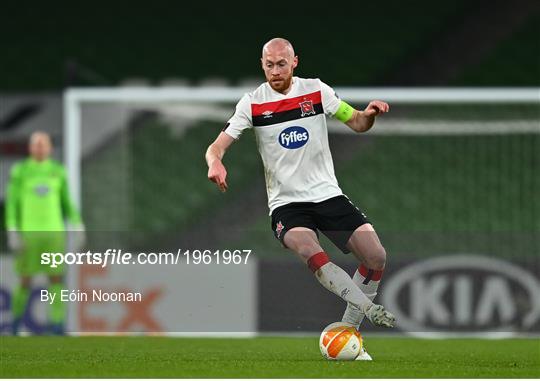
(279, 229)
(293, 137)
(307, 108)
(41, 190)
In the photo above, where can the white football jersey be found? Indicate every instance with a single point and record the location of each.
(292, 138)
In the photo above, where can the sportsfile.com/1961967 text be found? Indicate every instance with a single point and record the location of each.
(120, 257)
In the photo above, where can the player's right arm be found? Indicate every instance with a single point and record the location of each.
(12, 214)
(240, 120)
(214, 156)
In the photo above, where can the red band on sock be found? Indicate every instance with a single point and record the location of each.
(316, 261)
(369, 274)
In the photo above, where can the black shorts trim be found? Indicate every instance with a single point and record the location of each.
(337, 218)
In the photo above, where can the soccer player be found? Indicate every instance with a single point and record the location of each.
(288, 116)
(37, 201)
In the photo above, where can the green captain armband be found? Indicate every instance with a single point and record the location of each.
(344, 112)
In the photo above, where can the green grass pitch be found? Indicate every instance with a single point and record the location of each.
(272, 357)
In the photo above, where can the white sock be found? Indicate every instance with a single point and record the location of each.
(368, 282)
(336, 280)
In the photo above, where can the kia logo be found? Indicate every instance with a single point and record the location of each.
(463, 294)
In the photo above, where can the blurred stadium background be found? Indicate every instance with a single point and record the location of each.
(452, 188)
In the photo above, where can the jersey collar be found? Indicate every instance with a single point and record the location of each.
(42, 162)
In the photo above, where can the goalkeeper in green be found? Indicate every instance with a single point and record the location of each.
(37, 202)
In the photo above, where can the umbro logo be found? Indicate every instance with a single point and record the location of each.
(267, 114)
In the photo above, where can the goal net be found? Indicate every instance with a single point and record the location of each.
(445, 172)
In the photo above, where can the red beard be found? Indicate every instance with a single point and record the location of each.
(282, 85)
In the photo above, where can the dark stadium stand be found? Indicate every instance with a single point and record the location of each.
(97, 47)
(515, 61)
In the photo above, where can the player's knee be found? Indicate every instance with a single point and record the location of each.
(377, 259)
(306, 250)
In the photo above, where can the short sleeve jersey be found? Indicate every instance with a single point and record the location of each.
(38, 198)
(292, 138)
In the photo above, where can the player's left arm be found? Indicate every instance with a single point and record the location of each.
(75, 228)
(68, 207)
(361, 121)
(358, 121)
